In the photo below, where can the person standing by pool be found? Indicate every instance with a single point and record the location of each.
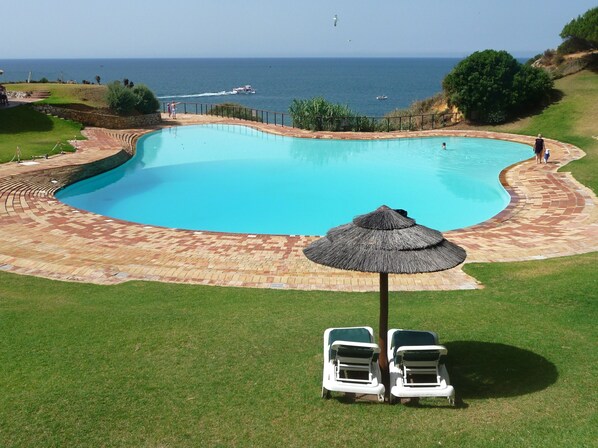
(169, 110)
(539, 148)
(173, 109)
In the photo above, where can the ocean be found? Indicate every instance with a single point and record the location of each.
(355, 82)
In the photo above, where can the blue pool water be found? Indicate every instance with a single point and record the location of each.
(236, 179)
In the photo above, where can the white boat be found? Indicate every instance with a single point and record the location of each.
(244, 89)
(382, 97)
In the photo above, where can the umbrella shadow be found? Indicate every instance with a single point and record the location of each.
(351, 398)
(492, 370)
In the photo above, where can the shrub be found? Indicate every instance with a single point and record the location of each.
(126, 100)
(233, 110)
(531, 87)
(146, 102)
(491, 86)
(317, 114)
(120, 99)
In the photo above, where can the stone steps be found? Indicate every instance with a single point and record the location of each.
(40, 94)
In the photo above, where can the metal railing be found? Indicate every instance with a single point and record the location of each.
(416, 122)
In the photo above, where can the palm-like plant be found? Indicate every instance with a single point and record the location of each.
(317, 114)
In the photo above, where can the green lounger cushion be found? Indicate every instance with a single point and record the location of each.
(413, 337)
(402, 338)
(352, 335)
(424, 355)
(356, 352)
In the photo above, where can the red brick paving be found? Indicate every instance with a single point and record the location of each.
(550, 215)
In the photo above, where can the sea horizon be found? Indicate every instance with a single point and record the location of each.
(356, 82)
(518, 56)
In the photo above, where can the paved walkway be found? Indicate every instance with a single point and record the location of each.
(550, 215)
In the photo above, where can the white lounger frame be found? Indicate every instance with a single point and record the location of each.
(401, 370)
(337, 371)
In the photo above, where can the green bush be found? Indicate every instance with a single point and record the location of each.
(531, 87)
(146, 101)
(126, 100)
(317, 114)
(120, 99)
(491, 86)
(233, 110)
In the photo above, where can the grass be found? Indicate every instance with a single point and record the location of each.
(148, 364)
(161, 365)
(35, 133)
(91, 95)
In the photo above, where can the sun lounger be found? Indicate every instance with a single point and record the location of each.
(416, 365)
(351, 362)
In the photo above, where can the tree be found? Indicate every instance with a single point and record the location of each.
(491, 86)
(98, 79)
(583, 28)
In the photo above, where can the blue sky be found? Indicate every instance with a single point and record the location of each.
(281, 28)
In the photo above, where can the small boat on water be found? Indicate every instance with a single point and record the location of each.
(244, 89)
(381, 97)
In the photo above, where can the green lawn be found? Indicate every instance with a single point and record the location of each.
(149, 364)
(91, 95)
(35, 133)
(38, 134)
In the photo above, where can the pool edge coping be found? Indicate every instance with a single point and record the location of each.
(471, 238)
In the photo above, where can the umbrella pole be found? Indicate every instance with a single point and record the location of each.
(383, 330)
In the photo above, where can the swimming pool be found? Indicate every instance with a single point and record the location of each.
(232, 178)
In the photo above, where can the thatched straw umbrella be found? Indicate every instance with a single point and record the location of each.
(385, 241)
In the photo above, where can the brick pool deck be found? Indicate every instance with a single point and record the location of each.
(550, 215)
